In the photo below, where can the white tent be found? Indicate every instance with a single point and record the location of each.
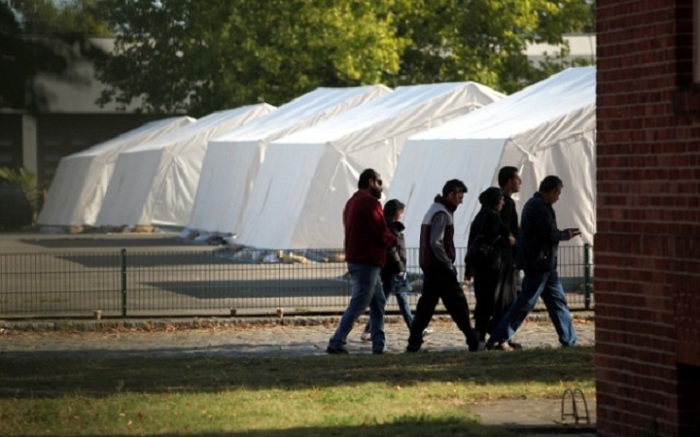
(308, 176)
(155, 183)
(547, 128)
(79, 185)
(232, 161)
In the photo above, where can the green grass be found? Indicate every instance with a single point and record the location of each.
(389, 395)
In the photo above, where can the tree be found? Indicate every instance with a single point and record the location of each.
(179, 56)
(485, 41)
(59, 17)
(186, 56)
(28, 32)
(26, 180)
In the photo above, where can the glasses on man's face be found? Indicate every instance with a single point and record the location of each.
(379, 182)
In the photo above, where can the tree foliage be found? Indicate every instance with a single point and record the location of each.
(180, 56)
(28, 32)
(59, 17)
(26, 180)
(198, 57)
(485, 41)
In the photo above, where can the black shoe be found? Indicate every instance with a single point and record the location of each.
(475, 347)
(515, 345)
(413, 347)
(337, 350)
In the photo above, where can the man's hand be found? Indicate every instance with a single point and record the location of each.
(574, 232)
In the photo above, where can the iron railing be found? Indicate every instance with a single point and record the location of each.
(209, 282)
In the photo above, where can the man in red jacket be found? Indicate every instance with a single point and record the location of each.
(367, 238)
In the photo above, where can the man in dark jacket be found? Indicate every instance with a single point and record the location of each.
(537, 249)
(367, 238)
(507, 289)
(437, 257)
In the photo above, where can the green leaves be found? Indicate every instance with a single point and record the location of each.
(179, 55)
(26, 180)
(485, 41)
(195, 57)
(28, 33)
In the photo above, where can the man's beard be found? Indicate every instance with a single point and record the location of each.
(375, 192)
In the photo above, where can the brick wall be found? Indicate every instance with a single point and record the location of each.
(648, 242)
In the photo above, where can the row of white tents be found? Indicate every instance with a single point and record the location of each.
(278, 178)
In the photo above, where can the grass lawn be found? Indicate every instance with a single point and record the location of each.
(387, 395)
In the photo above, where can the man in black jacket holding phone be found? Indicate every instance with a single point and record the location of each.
(537, 248)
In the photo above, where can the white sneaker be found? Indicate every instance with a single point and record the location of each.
(427, 332)
(366, 336)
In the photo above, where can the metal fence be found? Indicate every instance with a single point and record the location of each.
(216, 282)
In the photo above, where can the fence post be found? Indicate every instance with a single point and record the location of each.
(123, 283)
(587, 276)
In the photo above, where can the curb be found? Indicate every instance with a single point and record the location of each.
(164, 324)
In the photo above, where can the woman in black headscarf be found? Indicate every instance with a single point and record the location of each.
(487, 229)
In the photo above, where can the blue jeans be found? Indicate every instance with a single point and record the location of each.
(398, 287)
(366, 292)
(534, 285)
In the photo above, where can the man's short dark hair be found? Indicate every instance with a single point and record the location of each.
(550, 183)
(505, 174)
(453, 185)
(366, 176)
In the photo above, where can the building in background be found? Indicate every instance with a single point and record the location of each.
(68, 120)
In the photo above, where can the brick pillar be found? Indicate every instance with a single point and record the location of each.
(648, 210)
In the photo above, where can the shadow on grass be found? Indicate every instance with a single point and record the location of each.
(406, 426)
(101, 378)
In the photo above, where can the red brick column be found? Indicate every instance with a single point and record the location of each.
(648, 243)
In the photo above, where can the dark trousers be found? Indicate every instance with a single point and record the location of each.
(495, 290)
(441, 284)
(485, 283)
(506, 293)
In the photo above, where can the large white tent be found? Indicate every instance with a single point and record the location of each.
(547, 128)
(233, 160)
(79, 185)
(307, 177)
(155, 183)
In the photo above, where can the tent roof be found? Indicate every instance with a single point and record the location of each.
(215, 124)
(546, 128)
(400, 103)
(78, 187)
(333, 153)
(548, 99)
(303, 111)
(232, 161)
(155, 182)
(132, 139)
